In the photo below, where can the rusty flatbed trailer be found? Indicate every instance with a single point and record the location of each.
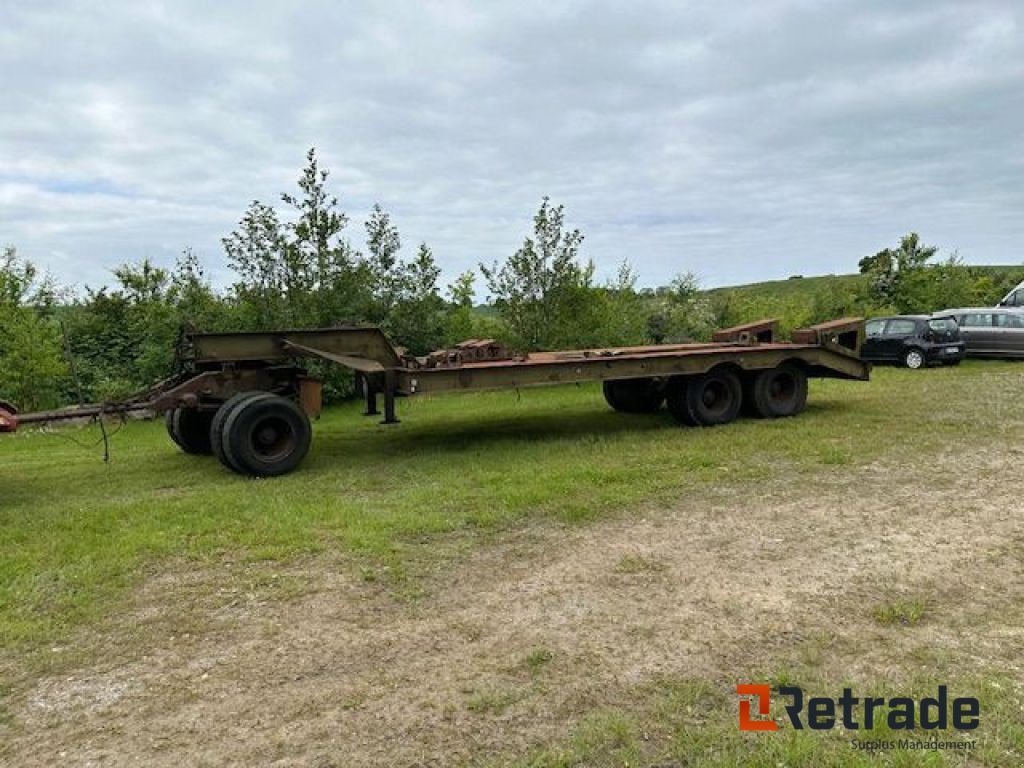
(243, 396)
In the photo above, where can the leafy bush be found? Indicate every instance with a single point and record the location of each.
(296, 268)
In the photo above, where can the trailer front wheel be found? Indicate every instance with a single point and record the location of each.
(707, 400)
(190, 429)
(217, 425)
(266, 436)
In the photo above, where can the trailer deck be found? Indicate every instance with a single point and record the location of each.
(244, 397)
(540, 368)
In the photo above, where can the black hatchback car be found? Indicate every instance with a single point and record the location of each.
(913, 340)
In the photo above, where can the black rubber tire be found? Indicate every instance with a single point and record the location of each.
(634, 395)
(190, 429)
(707, 400)
(266, 436)
(217, 425)
(911, 356)
(777, 392)
(169, 423)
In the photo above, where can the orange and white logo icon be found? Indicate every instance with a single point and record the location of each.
(763, 694)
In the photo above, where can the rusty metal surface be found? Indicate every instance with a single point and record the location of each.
(361, 364)
(630, 353)
(556, 368)
(842, 323)
(311, 396)
(81, 412)
(469, 351)
(759, 331)
(207, 389)
(484, 363)
(8, 417)
(845, 332)
(368, 343)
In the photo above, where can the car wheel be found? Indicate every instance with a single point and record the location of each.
(913, 359)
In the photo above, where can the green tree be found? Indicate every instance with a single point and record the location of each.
(32, 364)
(905, 279)
(256, 252)
(460, 323)
(300, 272)
(621, 314)
(417, 319)
(123, 337)
(896, 273)
(681, 312)
(387, 273)
(542, 292)
(325, 279)
(194, 299)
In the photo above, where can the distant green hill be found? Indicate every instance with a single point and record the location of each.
(808, 287)
(801, 301)
(793, 288)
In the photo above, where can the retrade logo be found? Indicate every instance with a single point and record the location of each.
(821, 713)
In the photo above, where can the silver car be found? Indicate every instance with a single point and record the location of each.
(1014, 298)
(990, 331)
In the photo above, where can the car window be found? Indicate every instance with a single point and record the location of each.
(874, 328)
(900, 327)
(1015, 299)
(942, 324)
(977, 320)
(1009, 320)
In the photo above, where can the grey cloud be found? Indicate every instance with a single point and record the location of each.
(739, 143)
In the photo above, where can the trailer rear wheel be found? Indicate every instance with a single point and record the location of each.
(707, 400)
(266, 436)
(777, 392)
(217, 425)
(634, 395)
(190, 429)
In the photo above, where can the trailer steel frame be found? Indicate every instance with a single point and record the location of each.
(237, 394)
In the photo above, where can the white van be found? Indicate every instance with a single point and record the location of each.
(1014, 298)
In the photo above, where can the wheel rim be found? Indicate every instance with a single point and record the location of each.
(914, 359)
(272, 438)
(716, 397)
(782, 388)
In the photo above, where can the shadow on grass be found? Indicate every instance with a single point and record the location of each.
(472, 431)
(460, 433)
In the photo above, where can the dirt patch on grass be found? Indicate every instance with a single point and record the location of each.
(509, 643)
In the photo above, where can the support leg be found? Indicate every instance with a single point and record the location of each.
(370, 393)
(389, 398)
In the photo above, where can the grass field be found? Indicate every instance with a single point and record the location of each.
(519, 579)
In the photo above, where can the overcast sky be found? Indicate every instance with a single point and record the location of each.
(742, 143)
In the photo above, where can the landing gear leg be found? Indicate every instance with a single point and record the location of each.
(369, 393)
(389, 398)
